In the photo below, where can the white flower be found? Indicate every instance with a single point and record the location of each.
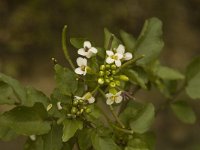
(121, 50)
(59, 105)
(114, 57)
(111, 98)
(87, 50)
(87, 97)
(82, 63)
(32, 137)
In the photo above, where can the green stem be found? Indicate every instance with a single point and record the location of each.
(116, 117)
(122, 130)
(110, 41)
(64, 47)
(95, 89)
(129, 62)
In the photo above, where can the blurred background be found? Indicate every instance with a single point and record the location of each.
(30, 35)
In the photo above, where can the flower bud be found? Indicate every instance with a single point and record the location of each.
(107, 72)
(111, 78)
(78, 113)
(107, 66)
(112, 84)
(113, 67)
(101, 81)
(74, 110)
(75, 102)
(117, 82)
(101, 73)
(107, 80)
(123, 78)
(102, 67)
(113, 91)
(88, 110)
(113, 72)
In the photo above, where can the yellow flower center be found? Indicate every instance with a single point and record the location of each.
(115, 57)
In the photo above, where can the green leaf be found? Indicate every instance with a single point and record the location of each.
(70, 128)
(167, 73)
(84, 139)
(193, 68)
(139, 117)
(6, 94)
(38, 144)
(135, 78)
(27, 120)
(64, 46)
(149, 42)
(144, 118)
(19, 90)
(103, 143)
(77, 42)
(184, 112)
(66, 80)
(128, 40)
(6, 133)
(34, 96)
(107, 36)
(193, 79)
(53, 140)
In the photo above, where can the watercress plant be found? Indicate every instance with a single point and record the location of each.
(94, 105)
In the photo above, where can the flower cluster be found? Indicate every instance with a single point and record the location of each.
(108, 72)
(80, 105)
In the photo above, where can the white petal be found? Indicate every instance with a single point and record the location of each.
(59, 105)
(108, 95)
(118, 63)
(109, 53)
(91, 100)
(82, 52)
(87, 44)
(79, 71)
(109, 101)
(121, 49)
(128, 56)
(118, 93)
(78, 97)
(84, 72)
(118, 99)
(89, 54)
(109, 60)
(93, 50)
(32, 137)
(119, 56)
(81, 61)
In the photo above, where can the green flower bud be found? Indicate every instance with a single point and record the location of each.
(113, 91)
(84, 107)
(81, 110)
(123, 78)
(117, 82)
(78, 113)
(111, 78)
(112, 84)
(113, 67)
(101, 73)
(88, 110)
(80, 101)
(107, 80)
(74, 110)
(101, 81)
(113, 72)
(75, 102)
(102, 67)
(107, 66)
(107, 72)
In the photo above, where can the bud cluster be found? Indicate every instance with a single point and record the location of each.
(107, 75)
(79, 107)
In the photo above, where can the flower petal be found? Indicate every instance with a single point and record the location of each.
(109, 60)
(87, 44)
(109, 53)
(128, 56)
(91, 100)
(118, 99)
(79, 71)
(32, 137)
(84, 72)
(108, 95)
(82, 52)
(78, 97)
(109, 101)
(118, 93)
(118, 63)
(120, 49)
(81, 61)
(59, 105)
(119, 56)
(93, 50)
